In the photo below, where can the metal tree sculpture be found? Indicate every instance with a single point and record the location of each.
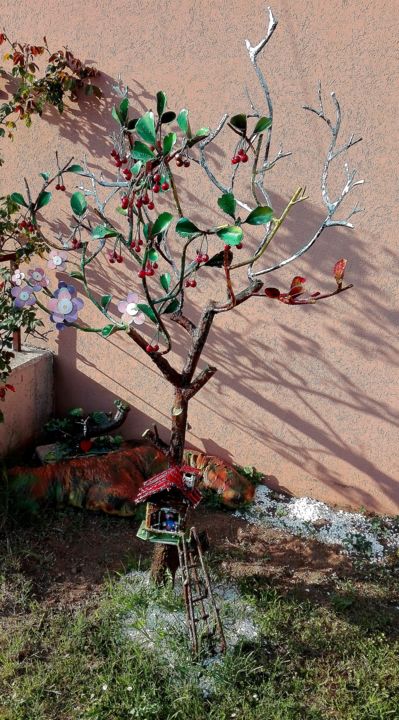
(144, 152)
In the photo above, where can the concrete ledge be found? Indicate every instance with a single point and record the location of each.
(26, 410)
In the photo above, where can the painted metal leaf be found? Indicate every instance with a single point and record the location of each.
(231, 234)
(227, 203)
(101, 231)
(239, 122)
(78, 203)
(168, 142)
(18, 199)
(162, 223)
(74, 169)
(145, 127)
(107, 330)
(43, 199)
(172, 307)
(161, 103)
(260, 216)
(186, 228)
(272, 292)
(141, 152)
(105, 301)
(339, 270)
(152, 255)
(165, 281)
(262, 124)
(297, 285)
(182, 121)
(148, 311)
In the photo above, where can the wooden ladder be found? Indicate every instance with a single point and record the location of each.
(203, 618)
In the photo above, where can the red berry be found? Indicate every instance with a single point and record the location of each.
(85, 445)
(58, 186)
(128, 175)
(156, 188)
(227, 247)
(159, 144)
(150, 272)
(151, 205)
(205, 258)
(198, 259)
(179, 163)
(146, 199)
(149, 348)
(152, 147)
(114, 153)
(31, 228)
(125, 202)
(118, 163)
(239, 246)
(119, 259)
(139, 203)
(140, 241)
(193, 283)
(111, 260)
(157, 178)
(142, 273)
(155, 266)
(187, 163)
(241, 152)
(235, 160)
(244, 158)
(187, 283)
(165, 186)
(62, 188)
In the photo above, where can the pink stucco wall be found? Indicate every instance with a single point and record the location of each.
(308, 395)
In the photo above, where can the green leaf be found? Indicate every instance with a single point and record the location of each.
(105, 301)
(101, 231)
(137, 167)
(107, 330)
(78, 203)
(152, 255)
(123, 110)
(74, 169)
(116, 116)
(231, 235)
(45, 176)
(43, 199)
(161, 103)
(262, 124)
(186, 228)
(182, 121)
(260, 216)
(227, 203)
(121, 211)
(145, 128)
(168, 142)
(77, 275)
(239, 122)
(161, 224)
(18, 199)
(202, 132)
(168, 117)
(147, 310)
(165, 281)
(172, 307)
(141, 152)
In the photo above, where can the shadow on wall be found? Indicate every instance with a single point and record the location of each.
(249, 364)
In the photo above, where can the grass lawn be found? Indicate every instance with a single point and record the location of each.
(326, 642)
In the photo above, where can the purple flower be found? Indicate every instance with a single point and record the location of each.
(23, 296)
(57, 260)
(131, 313)
(37, 279)
(64, 306)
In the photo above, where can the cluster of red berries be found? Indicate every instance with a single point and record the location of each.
(201, 258)
(145, 200)
(24, 225)
(136, 245)
(128, 175)
(240, 157)
(182, 160)
(114, 256)
(76, 244)
(118, 161)
(152, 348)
(149, 269)
(190, 283)
(159, 183)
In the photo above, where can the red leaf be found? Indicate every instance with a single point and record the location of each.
(297, 285)
(339, 270)
(10, 387)
(272, 292)
(298, 280)
(85, 445)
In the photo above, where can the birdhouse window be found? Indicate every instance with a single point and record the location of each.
(168, 520)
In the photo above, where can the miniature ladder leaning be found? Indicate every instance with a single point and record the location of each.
(203, 617)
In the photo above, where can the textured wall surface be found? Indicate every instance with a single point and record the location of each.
(308, 395)
(31, 405)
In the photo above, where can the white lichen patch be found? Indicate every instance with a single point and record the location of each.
(156, 622)
(372, 537)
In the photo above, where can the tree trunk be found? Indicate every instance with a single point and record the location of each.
(166, 557)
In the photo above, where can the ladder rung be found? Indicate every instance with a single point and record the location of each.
(199, 598)
(203, 617)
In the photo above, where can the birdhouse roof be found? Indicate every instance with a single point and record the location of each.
(170, 479)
